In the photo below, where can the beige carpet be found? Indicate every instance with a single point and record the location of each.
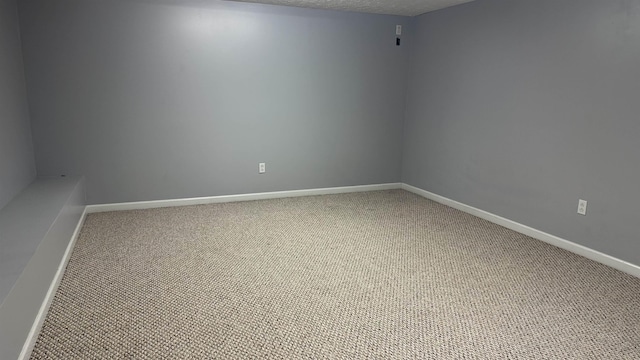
(385, 275)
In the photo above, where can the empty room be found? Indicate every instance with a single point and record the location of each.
(301, 179)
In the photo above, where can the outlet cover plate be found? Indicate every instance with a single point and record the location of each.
(582, 207)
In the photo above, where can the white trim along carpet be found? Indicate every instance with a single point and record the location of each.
(383, 274)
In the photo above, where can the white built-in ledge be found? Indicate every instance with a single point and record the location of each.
(36, 228)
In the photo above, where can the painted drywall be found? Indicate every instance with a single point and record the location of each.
(160, 100)
(17, 165)
(521, 108)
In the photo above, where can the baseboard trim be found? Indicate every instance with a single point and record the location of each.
(589, 253)
(30, 342)
(139, 205)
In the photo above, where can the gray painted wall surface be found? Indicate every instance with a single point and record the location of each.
(17, 166)
(152, 101)
(522, 107)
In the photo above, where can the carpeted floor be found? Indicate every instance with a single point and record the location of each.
(385, 275)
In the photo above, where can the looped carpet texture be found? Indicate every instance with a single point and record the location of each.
(382, 275)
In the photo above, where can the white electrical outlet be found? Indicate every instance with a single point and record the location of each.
(262, 168)
(582, 207)
(398, 30)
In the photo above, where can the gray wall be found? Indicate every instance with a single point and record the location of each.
(157, 101)
(17, 166)
(522, 107)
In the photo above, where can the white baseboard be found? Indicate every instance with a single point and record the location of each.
(602, 258)
(27, 348)
(510, 224)
(235, 198)
(594, 255)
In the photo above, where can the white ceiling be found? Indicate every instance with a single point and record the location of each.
(389, 7)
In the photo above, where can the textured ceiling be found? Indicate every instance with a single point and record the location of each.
(390, 7)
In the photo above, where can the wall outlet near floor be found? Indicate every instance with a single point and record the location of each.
(262, 168)
(582, 207)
